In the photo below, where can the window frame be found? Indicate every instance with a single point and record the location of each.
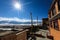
(56, 23)
(53, 10)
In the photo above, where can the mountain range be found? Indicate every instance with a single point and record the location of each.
(14, 22)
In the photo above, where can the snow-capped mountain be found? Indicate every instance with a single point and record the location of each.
(14, 22)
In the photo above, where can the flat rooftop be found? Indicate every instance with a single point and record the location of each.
(7, 32)
(3, 33)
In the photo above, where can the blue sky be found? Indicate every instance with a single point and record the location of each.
(37, 7)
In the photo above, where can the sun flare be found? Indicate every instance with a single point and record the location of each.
(17, 5)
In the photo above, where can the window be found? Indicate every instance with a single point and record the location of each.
(56, 25)
(50, 23)
(58, 4)
(53, 11)
(49, 15)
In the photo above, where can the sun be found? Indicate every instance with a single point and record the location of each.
(17, 5)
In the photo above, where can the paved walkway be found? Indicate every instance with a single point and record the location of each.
(38, 38)
(42, 32)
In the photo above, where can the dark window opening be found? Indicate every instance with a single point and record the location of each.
(56, 25)
(53, 11)
(50, 15)
(59, 5)
(50, 24)
(0, 38)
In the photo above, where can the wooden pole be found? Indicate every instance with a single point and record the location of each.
(31, 19)
(37, 20)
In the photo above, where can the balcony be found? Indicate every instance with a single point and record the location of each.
(55, 17)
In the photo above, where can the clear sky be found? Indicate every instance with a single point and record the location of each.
(37, 7)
